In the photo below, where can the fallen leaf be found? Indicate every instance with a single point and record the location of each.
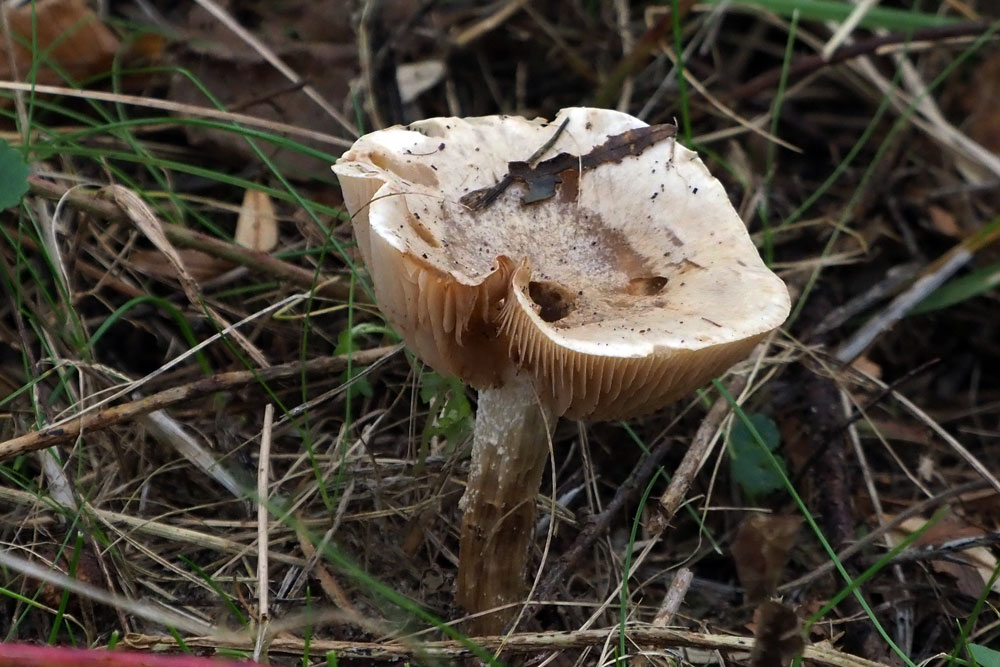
(760, 551)
(72, 37)
(257, 225)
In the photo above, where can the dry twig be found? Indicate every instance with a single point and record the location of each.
(70, 430)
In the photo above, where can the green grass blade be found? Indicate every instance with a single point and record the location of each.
(889, 18)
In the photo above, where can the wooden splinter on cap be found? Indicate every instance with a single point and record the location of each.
(608, 290)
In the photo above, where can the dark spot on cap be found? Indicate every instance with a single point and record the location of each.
(554, 301)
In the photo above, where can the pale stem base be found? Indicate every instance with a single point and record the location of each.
(509, 450)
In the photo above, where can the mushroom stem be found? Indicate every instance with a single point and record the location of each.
(509, 450)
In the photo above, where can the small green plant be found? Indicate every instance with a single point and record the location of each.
(450, 414)
(751, 467)
(13, 176)
(347, 343)
(986, 657)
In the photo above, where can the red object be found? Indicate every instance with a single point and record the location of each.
(30, 655)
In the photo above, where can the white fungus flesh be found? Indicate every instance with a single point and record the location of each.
(633, 284)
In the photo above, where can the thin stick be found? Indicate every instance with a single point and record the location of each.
(683, 477)
(70, 430)
(517, 644)
(145, 610)
(910, 512)
(674, 597)
(263, 492)
(943, 551)
(808, 64)
(488, 24)
(600, 523)
(276, 62)
(179, 109)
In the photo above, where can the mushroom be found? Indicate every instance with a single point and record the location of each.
(590, 268)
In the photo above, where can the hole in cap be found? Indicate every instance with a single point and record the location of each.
(554, 300)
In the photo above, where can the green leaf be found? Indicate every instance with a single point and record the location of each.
(960, 289)
(751, 467)
(986, 657)
(13, 176)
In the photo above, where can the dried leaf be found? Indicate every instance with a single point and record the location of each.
(543, 178)
(944, 222)
(760, 551)
(415, 79)
(970, 576)
(72, 37)
(257, 226)
(777, 636)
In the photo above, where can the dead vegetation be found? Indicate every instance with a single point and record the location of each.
(182, 260)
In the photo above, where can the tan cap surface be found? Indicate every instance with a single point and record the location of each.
(636, 283)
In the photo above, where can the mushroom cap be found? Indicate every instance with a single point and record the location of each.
(634, 284)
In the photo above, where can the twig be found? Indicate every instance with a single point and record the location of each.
(490, 23)
(685, 473)
(599, 524)
(938, 551)
(675, 596)
(179, 109)
(542, 178)
(314, 568)
(933, 278)
(263, 493)
(640, 52)
(142, 609)
(959, 448)
(516, 644)
(894, 279)
(910, 512)
(139, 214)
(276, 62)
(125, 525)
(57, 435)
(859, 413)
